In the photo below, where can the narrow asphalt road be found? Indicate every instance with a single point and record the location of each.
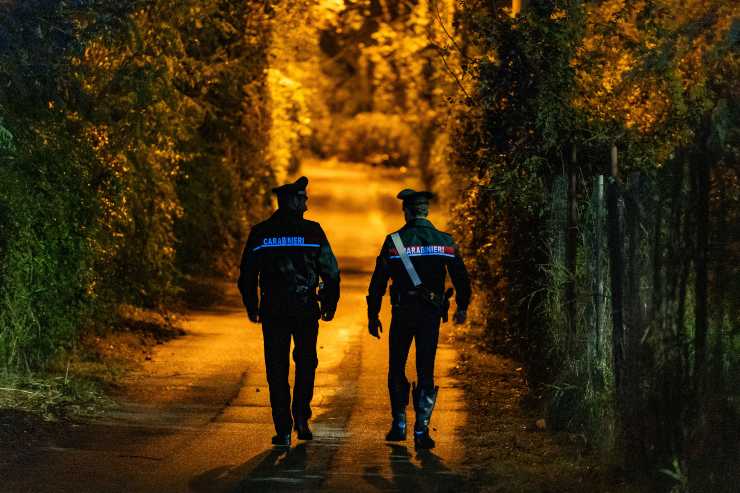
(197, 419)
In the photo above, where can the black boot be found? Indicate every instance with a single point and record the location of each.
(399, 394)
(281, 440)
(422, 440)
(424, 401)
(304, 432)
(397, 433)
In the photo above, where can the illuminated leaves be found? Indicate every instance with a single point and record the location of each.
(645, 66)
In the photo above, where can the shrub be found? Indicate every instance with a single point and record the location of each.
(375, 138)
(131, 152)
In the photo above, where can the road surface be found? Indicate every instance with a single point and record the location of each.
(197, 416)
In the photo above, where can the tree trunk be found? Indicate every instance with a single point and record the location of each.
(615, 240)
(636, 433)
(700, 173)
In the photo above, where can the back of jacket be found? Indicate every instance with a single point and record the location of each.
(433, 254)
(284, 259)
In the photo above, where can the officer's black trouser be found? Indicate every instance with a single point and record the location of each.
(277, 332)
(423, 327)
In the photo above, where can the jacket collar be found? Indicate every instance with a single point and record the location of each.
(286, 216)
(419, 222)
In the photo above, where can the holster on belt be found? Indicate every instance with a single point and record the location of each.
(421, 295)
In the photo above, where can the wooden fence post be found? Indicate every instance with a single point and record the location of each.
(596, 226)
(518, 7)
(615, 239)
(571, 245)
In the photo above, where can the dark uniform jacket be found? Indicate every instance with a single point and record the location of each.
(433, 254)
(285, 257)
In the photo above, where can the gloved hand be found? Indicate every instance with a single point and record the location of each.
(253, 317)
(374, 327)
(327, 314)
(460, 316)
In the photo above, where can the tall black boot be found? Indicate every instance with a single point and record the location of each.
(281, 440)
(399, 394)
(397, 433)
(424, 401)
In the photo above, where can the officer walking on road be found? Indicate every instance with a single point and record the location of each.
(416, 258)
(285, 259)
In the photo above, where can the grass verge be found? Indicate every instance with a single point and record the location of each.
(507, 439)
(78, 383)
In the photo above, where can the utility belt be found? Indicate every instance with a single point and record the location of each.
(297, 298)
(421, 296)
(415, 296)
(302, 298)
(299, 293)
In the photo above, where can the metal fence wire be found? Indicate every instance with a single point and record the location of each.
(631, 373)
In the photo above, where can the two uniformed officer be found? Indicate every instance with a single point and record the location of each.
(285, 258)
(417, 260)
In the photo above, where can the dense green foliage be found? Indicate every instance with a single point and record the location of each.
(565, 76)
(514, 138)
(131, 154)
(135, 140)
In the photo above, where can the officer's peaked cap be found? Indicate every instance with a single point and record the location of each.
(410, 196)
(298, 187)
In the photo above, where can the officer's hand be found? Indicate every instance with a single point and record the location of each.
(374, 327)
(460, 316)
(253, 317)
(327, 315)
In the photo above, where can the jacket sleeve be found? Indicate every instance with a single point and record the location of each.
(460, 279)
(378, 283)
(329, 273)
(249, 275)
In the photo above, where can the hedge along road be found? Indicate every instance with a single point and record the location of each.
(197, 417)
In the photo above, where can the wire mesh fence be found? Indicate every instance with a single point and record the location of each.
(652, 356)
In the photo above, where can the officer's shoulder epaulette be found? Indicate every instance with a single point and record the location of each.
(260, 225)
(314, 225)
(446, 235)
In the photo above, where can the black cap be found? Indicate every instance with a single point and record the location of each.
(410, 196)
(298, 187)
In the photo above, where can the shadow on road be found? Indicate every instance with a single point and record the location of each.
(278, 470)
(430, 475)
(272, 470)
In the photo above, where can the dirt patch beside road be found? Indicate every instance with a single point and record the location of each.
(107, 356)
(507, 441)
(21, 431)
(38, 409)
